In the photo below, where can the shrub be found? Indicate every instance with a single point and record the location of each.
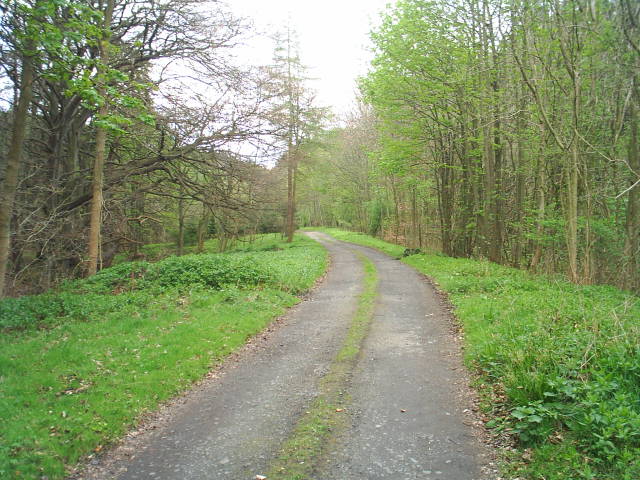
(214, 271)
(123, 276)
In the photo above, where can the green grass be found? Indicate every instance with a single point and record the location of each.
(559, 364)
(328, 415)
(79, 375)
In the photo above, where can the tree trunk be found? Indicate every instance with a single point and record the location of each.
(520, 158)
(489, 192)
(497, 234)
(14, 156)
(572, 212)
(632, 241)
(415, 241)
(181, 224)
(137, 225)
(203, 227)
(95, 222)
(519, 207)
(541, 207)
(291, 193)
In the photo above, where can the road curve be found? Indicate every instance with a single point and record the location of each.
(411, 405)
(408, 418)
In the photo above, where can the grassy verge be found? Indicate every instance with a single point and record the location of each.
(559, 364)
(80, 366)
(327, 416)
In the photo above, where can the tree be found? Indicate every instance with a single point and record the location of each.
(294, 116)
(101, 144)
(37, 53)
(507, 130)
(159, 122)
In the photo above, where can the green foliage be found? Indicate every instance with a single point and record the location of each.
(115, 348)
(268, 261)
(563, 359)
(376, 215)
(123, 276)
(49, 310)
(212, 270)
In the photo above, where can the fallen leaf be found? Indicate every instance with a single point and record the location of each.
(339, 410)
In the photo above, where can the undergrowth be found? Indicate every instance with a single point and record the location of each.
(562, 363)
(79, 366)
(131, 284)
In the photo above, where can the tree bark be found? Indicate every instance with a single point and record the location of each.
(572, 211)
(181, 224)
(203, 227)
(291, 193)
(95, 222)
(632, 241)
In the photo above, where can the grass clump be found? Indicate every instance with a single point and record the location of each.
(561, 363)
(209, 270)
(81, 365)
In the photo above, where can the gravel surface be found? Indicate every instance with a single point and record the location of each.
(412, 412)
(232, 425)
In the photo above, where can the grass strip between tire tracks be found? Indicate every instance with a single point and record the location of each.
(327, 416)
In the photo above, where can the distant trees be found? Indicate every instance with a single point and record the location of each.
(337, 183)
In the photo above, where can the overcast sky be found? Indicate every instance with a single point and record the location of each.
(333, 37)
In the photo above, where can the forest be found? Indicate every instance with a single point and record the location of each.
(505, 130)
(154, 188)
(127, 123)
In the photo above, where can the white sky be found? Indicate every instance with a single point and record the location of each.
(333, 36)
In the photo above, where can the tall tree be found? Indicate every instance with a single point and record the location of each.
(95, 222)
(14, 156)
(294, 116)
(33, 34)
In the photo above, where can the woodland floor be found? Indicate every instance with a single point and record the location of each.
(293, 405)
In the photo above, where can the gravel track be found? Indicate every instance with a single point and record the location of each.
(411, 409)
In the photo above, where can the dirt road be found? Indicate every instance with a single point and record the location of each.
(409, 411)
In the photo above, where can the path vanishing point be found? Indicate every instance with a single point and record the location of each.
(408, 415)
